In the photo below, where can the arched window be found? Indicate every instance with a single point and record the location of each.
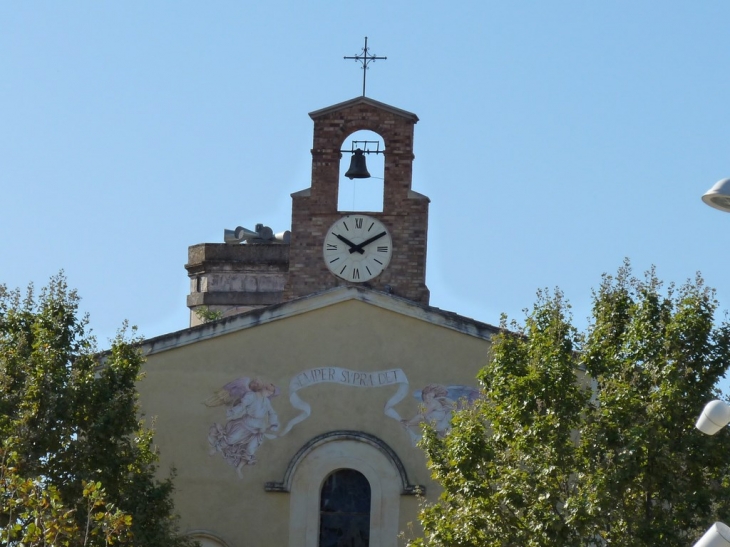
(331, 454)
(344, 510)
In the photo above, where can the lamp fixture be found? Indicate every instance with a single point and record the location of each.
(718, 196)
(717, 536)
(714, 417)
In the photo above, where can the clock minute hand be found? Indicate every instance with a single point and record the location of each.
(359, 246)
(353, 247)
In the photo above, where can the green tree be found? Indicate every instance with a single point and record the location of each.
(73, 443)
(589, 439)
(33, 513)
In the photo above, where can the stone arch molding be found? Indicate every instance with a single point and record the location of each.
(344, 450)
(285, 485)
(207, 538)
(347, 132)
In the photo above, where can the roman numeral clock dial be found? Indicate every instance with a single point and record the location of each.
(357, 248)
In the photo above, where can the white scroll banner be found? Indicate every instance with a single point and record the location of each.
(345, 377)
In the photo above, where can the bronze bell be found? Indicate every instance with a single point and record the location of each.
(358, 169)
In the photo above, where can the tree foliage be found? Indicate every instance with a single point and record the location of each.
(77, 463)
(206, 315)
(33, 513)
(588, 438)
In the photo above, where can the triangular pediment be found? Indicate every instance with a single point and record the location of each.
(360, 101)
(314, 302)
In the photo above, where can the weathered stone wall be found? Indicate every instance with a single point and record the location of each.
(235, 278)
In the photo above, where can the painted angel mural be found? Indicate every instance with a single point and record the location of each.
(437, 405)
(249, 419)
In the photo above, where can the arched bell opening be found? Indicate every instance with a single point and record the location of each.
(356, 191)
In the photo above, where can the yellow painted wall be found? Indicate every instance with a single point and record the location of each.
(352, 335)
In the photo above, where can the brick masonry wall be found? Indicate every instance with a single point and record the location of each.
(405, 213)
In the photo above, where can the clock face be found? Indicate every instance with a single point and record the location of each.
(357, 248)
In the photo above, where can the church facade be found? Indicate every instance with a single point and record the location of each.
(294, 419)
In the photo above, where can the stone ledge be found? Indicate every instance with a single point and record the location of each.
(244, 254)
(234, 298)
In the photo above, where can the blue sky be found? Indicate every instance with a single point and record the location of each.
(555, 139)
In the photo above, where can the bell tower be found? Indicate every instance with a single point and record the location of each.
(404, 216)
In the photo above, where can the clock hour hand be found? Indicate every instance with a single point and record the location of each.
(359, 246)
(353, 247)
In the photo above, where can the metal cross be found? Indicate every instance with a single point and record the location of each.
(364, 58)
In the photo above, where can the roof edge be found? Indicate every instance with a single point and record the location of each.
(360, 100)
(314, 302)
